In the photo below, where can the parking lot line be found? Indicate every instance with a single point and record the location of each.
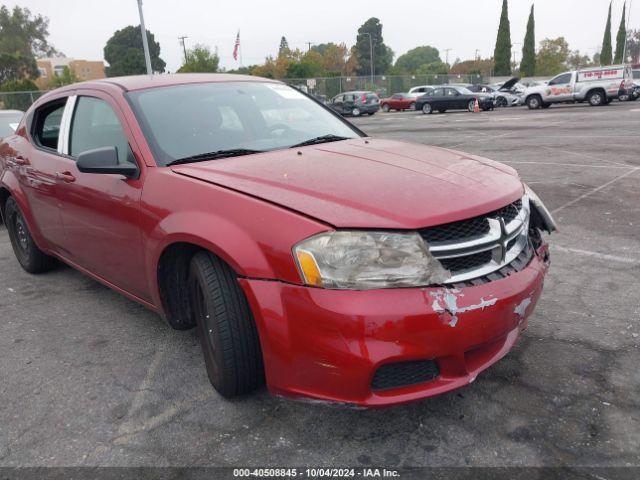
(601, 256)
(514, 162)
(595, 190)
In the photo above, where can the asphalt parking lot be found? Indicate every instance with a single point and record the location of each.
(88, 377)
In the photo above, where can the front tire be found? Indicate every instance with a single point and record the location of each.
(30, 257)
(227, 330)
(534, 102)
(471, 106)
(412, 106)
(356, 112)
(386, 108)
(501, 102)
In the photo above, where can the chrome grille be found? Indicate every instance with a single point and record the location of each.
(480, 246)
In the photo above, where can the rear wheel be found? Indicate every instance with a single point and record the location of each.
(427, 108)
(385, 108)
(227, 330)
(412, 106)
(30, 257)
(596, 98)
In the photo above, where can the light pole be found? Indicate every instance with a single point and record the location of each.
(145, 44)
(184, 46)
(624, 49)
(370, 53)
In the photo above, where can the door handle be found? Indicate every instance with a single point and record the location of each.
(65, 177)
(20, 160)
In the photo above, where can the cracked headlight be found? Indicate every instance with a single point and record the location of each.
(540, 216)
(358, 260)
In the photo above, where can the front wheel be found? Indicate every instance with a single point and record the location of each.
(386, 108)
(412, 106)
(471, 106)
(30, 257)
(227, 330)
(534, 102)
(427, 108)
(501, 102)
(356, 112)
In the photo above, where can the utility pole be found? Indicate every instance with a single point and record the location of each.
(477, 54)
(309, 44)
(184, 47)
(145, 43)
(370, 55)
(447, 50)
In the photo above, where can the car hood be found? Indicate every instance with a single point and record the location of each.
(368, 183)
(508, 85)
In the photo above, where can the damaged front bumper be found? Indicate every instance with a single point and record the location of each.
(329, 344)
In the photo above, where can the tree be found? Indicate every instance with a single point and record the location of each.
(309, 65)
(528, 63)
(23, 37)
(606, 55)
(18, 101)
(334, 57)
(200, 59)
(577, 60)
(469, 67)
(633, 46)
(502, 52)
(284, 47)
(552, 56)
(382, 55)
(622, 36)
(125, 55)
(419, 58)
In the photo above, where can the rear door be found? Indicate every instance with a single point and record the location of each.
(452, 99)
(101, 213)
(438, 99)
(337, 103)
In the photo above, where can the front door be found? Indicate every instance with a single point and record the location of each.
(40, 172)
(559, 89)
(101, 213)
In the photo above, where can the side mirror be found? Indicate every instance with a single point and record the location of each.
(105, 161)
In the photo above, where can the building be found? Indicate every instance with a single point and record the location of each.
(82, 69)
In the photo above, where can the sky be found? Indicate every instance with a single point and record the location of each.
(80, 28)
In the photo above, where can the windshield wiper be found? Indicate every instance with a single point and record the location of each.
(203, 157)
(320, 139)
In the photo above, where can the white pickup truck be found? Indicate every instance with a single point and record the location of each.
(598, 86)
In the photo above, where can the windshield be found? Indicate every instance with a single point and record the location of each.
(190, 120)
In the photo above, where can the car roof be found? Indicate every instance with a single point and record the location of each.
(143, 82)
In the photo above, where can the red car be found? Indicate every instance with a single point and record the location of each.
(309, 256)
(399, 102)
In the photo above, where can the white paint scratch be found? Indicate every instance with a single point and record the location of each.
(521, 309)
(447, 301)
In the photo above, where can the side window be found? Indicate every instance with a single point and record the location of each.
(560, 79)
(438, 92)
(338, 99)
(451, 92)
(47, 125)
(96, 125)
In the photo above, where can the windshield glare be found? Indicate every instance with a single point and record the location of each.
(188, 120)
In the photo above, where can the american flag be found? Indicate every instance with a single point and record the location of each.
(236, 47)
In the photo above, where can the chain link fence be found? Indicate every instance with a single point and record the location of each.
(383, 85)
(19, 100)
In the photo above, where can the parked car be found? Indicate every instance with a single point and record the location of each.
(327, 263)
(421, 90)
(355, 103)
(509, 93)
(399, 102)
(453, 98)
(598, 86)
(633, 93)
(9, 120)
